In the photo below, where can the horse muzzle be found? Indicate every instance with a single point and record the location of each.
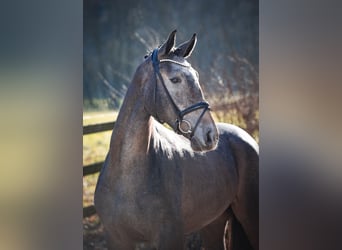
(205, 139)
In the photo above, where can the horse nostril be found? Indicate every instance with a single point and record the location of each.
(209, 137)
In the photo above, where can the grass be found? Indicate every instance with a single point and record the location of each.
(95, 148)
(233, 116)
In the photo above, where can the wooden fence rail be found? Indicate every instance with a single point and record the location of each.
(96, 167)
(95, 128)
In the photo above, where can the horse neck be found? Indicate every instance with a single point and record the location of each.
(129, 146)
(132, 129)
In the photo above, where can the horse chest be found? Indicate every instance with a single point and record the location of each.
(207, 193)
(138, 195)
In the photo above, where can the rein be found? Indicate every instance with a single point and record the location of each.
(180, 113)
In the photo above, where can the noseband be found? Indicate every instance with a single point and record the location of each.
(180, 113)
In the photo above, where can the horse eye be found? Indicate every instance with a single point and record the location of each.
(175, 80)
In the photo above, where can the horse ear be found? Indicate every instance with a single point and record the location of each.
(169, 44)
(185, 49)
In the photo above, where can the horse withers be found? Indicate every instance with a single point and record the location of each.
(159, 185)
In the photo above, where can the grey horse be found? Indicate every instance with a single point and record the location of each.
(159, 185)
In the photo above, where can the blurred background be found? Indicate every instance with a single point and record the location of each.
(41, 97)
(118, 34)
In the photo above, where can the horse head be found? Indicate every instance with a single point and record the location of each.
(173, 94)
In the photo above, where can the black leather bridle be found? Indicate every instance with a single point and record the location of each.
(179, 113)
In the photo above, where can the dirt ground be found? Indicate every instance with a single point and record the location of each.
(94, 239)
(93, 234)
